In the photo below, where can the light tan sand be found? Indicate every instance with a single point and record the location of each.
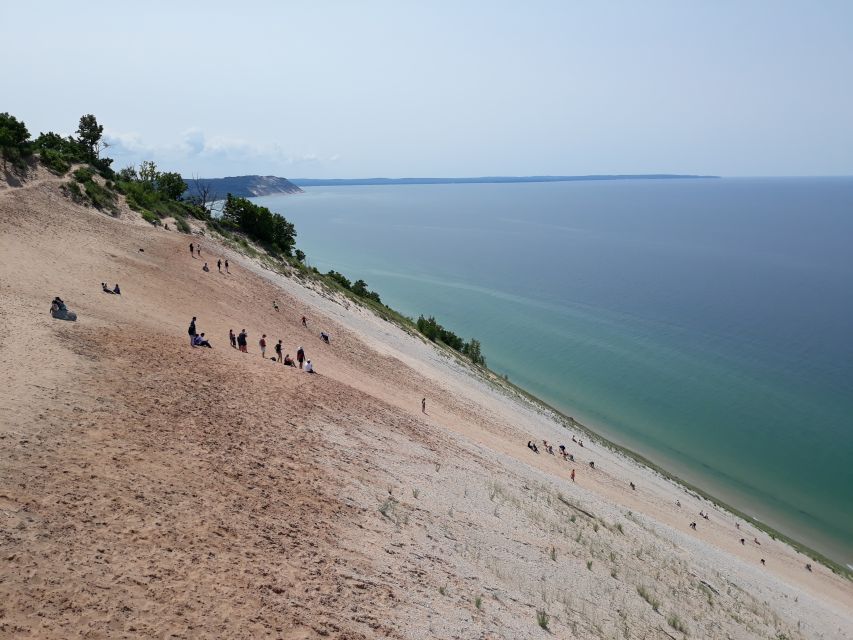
(148, 489)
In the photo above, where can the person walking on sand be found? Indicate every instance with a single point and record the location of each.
(198, 249)
(423, 405)
(243, 341)
(262, 343)
(232, 338)
(573, 475)
(191, 330)
(278, 351)
(226, 266)
(192, 250)
(304, 322)
(219, 265)
(300, 356)
(275, 305)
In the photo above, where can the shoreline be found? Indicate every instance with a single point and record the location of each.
(507, 387)
(569, 423)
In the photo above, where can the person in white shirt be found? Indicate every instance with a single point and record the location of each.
(309, 368)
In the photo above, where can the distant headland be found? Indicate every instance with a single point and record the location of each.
(340, 182)
(244, 186)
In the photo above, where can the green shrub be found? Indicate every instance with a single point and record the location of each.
(55, 162)
(542, 619)
(83, 174)
(182, 224)
(150, 217)
(100, 197)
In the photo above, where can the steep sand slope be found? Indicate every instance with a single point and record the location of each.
(148, 489)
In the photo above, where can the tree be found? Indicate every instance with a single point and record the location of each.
(259, 223)
(300, 255)
(89, 134)
(472, 350)
(14, 147)
(171, 185)
(202, 194)
(359, 288)
(148, 173)
(128, 174)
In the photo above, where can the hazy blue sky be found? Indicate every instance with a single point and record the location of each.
(358, 89)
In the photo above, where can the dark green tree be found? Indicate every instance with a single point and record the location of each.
(259, 223)
(300, 255)
(14, 146)
(171, 185)
(89, 134)
(359, 288)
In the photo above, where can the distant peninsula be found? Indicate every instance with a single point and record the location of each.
(244, 186)
(340, 182)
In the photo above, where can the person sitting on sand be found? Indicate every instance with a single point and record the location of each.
(808, 566)
(742, 541)
(309, 368)
(288, 361)
(105, 288)
(205, 267)
(116, 290)
(199, 341)
(532, 446)
(591, 464)
(633, 486)
(59, 311)
(693, 525)
(550, 449)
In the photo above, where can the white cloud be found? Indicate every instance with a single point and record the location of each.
(197, 153)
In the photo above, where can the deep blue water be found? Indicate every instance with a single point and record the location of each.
(703, 323)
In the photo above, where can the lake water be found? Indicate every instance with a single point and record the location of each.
(703, 323)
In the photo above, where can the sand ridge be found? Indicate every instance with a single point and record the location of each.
(148, 489)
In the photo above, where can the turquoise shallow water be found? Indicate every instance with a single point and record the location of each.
(703, 323)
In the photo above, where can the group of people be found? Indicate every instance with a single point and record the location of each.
(564, 453)
(59, 311)
(240, 341)
(195, 252)
(197, 339)
(116, 290)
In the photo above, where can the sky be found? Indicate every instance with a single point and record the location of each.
(443, 89)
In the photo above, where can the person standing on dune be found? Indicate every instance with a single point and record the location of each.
(232, 338)
(226, 266)
(191, 330)
(262, 343)
(219, 265)
(300, 356)
(192, 250)
(423, 405)
(243, 341)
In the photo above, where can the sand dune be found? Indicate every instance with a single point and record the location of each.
(148, 489)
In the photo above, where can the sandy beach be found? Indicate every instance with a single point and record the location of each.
(151, 489)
